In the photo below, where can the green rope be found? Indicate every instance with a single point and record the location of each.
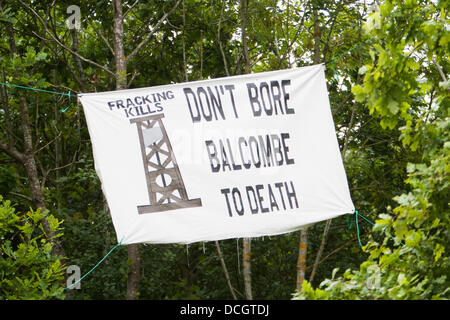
(73, 284)
(41, 90)
(350, 223)
(357, 227)
(357, 215)
(70, 100)
(34, 89)
(340, 55)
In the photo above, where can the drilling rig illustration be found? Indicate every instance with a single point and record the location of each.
(165, 186)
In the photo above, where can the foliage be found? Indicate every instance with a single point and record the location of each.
(416, 265)
(28, 269)
(405, 94)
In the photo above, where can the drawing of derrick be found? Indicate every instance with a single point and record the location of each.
(165, 185)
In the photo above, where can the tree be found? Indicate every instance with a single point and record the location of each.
(406, 88)
(21, 65)
(120, 75)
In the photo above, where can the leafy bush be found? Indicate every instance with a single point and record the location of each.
(28, 269)
(416, 265)
(404, 87)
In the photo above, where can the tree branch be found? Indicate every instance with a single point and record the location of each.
(130, 8)
(336, 250)
(444, 78)
(47, 144)
(321, 248)
(103, 37)
(55, 39)
(21, 195)
(225, 270)
(135, 73)
(44, 179)
(12, 152)
(297, 33)
(224, 58)
(149, 35)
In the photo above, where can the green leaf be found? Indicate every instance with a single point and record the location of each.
(359, 93)
(393, 106)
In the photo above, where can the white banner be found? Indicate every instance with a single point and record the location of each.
(242, 156)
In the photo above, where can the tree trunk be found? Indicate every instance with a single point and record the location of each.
(225, 270)
(224, 58)
(77, 60)
(246, 268)
(246, 262)
(27, 157)
(133, 279)
(184, 45)
(121, 83)
(57, 148)
(301, 262)
(120, 59)
(320, 251)
(5, 103)
(29, 162)
(244, 6)
(317, 57)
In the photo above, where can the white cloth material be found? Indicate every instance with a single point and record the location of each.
(242, 156)
(151, 135)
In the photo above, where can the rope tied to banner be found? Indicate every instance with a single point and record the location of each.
(357, 216)
(350, 223)
(70, 103)
(69, 94)
(79, 280)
